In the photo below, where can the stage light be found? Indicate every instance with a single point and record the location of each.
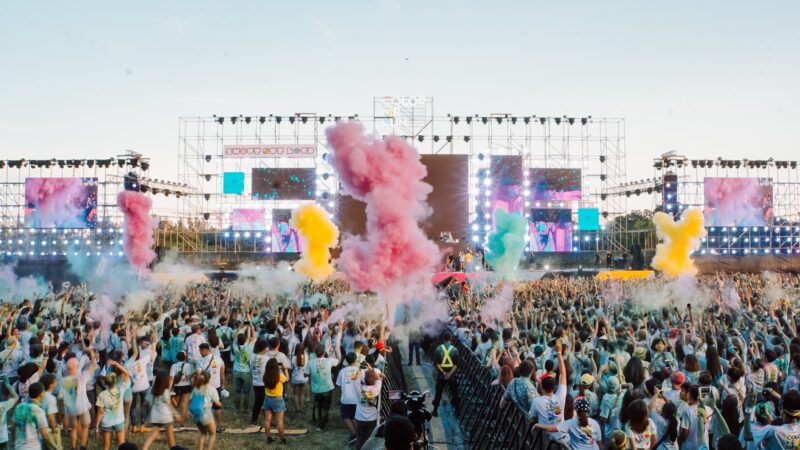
(455, 120)
(484, 120)
(227, 235)
(487, 182)
(487, 227)
(331, 204)
(487, 204)
(558, 120)
(547, 267)
(466, 138)
(420, 138)
(527, 204)
(474, 238)
(268, 239)
(486, 216)
(526, 193)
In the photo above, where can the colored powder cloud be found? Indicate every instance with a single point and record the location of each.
(737, 201)
(138, 227)
(387, 175)
(319, 235)
(680, 239)
(506, 242)
(54, 200)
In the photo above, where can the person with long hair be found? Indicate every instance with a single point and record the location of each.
(76, 400)
(666, 426)
(258, 364)
(640, 428)
(180, 376)
(110, 412)
(162, 413)
(203, 399)
(274, 405)
(299, 378)
(582, 430)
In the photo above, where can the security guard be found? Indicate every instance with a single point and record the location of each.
(446, 356)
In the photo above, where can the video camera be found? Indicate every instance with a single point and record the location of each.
(417, 413)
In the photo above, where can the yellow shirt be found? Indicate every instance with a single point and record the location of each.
(278, 391)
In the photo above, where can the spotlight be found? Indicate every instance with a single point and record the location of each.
(221, 120)
(455, 120)
(420, 138)
(233, 120)
(278, 119)
(484, 120)
(247, 120)
(436, 139)
(466, 138)
(262, 119)
(469, 119)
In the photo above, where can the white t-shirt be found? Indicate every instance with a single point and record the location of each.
(161, 410)
(111, 402)
(138, 371)
(192, 345)
(282, 359)
(5, 407)
(689, 421)
(349, 380)
(29, 418)
(76, 402)
(788, 435)
(581, 438)
(257, 366)
(549, 410)
(298, 372)
(642, 439)
(368, 402)
(188, 370)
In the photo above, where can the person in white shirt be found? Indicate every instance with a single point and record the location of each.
(548, 408)
(368, 406)
(181, 374)
(215, 367)
(76, 402)
(583, 432)
(11, 399)
(192, 343)
(137, 367)
(30, 421)
(349, 381)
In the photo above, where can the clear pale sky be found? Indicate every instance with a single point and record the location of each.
(90, 79)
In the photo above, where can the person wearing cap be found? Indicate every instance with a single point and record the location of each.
(521, 389)
(548, 408)
(761, 434)
(584, 389)
(610, 405)
(677, 379)
(582, 432)
(788, 434)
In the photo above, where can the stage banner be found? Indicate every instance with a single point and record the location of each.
(270, 151)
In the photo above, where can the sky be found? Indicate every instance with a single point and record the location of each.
(91, 79)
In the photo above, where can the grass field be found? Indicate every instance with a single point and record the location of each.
(335, 437)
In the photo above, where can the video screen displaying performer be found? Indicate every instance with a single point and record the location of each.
(559, 185)
(285, 239)
(551, 230)
(60, 202)
(733, 202)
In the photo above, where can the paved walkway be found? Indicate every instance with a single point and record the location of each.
(445, 432)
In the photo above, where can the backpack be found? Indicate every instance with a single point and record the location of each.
(225, 338)
(197, 404)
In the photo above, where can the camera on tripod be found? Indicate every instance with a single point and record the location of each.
(417, 413)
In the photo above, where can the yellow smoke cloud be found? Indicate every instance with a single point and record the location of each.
(680, 239)
(319, 235)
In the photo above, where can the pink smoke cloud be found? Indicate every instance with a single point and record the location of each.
(55, 201)
(737, 201)
(138, 227)
(387, 175)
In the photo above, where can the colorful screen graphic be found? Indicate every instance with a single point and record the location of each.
(247, 219)
(233, 183)
(737, 201)
(60, 202)
(551, 230)
(555, 185)
(284, 184)
(588, 219)
(285, 239)
(506, 176)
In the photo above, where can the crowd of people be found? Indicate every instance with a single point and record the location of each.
(74, 368)
(597, 370)
(588, 362)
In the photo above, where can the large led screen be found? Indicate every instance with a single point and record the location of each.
(506, 184)
(246, 219)
(284, 184)
(60, 202)
(551, 230)
(284, 238)
(737, 201)
(555, 185)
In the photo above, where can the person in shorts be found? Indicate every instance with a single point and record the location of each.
(274, 405)
(110, 412)
(162, 413)
(204, 418)
(181, 373)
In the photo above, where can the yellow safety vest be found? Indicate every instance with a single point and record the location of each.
(447, 361)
